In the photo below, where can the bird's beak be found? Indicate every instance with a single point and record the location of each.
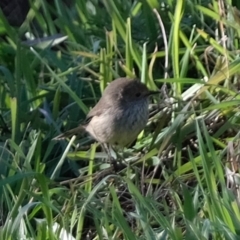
(153, 92)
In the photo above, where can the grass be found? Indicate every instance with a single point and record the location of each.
(182, 177)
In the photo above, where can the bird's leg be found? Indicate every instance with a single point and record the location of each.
(114, 161)
(120, 162)
(107, 149)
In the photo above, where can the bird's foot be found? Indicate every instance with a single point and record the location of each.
(117, 165)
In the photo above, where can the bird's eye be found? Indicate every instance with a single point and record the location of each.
(138, 94)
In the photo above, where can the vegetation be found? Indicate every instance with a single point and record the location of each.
(181, 179)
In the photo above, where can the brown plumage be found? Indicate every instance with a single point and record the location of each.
(119, 116)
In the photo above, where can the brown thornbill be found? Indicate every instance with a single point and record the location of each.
(119, 116)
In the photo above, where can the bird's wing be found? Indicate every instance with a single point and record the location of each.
(99, 108)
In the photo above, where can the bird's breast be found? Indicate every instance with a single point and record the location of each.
(120, 125)
(130, 121)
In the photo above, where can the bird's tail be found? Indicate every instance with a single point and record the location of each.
(75, 131)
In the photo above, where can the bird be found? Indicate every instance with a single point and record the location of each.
(119, 115)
